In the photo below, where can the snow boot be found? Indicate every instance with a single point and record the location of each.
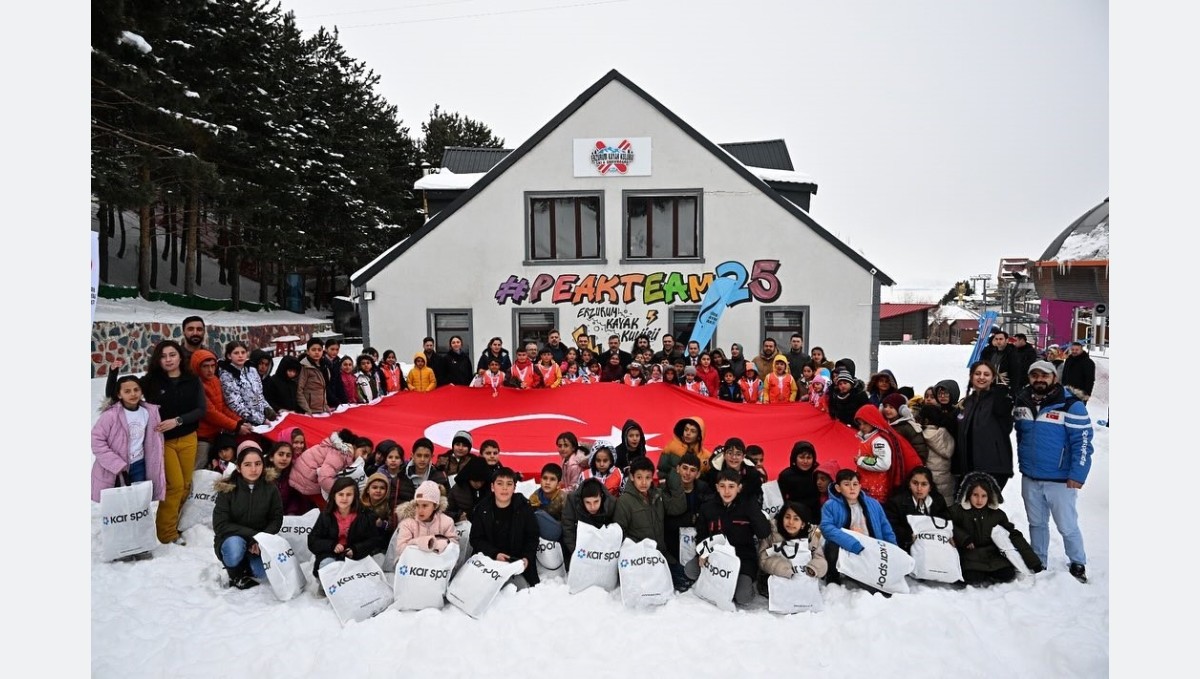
(1079, 572)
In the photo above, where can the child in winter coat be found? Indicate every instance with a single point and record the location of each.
(817, 397)
(729, 390)
(692, 382)
(344, 529)
(547, 502)
(375, 501)
(423, 522)
(895, 410)
(792, 522)
(975, 513)
(221, 453)
(549, 374)
(125, 442)
(741, 521)
(470, 486)
(751, 386)
(634, 377)
(571, 458)
(884, 458)
(589, 504)
(917, 498)
(316, 469)
(602, 467)
(523, 373)
(798, 483)
(940, 444)
(780, 386)
(366, 380)
(247, 504)
(421, 377)
(280, 459)
(849, 509)
(492, 378)
(349, 383)
(689, 438)
(732, 456)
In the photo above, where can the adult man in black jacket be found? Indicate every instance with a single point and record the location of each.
(1025, 355)
(1079, 372)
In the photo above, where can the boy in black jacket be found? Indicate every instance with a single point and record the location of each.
(741, 521)
(504, 528)
(695, 493)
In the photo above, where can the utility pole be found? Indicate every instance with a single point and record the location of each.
(982, 277)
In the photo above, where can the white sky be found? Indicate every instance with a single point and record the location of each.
(926, 123)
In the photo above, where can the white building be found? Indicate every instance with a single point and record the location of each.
(614, 218)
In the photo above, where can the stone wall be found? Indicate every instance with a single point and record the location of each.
(134, 341)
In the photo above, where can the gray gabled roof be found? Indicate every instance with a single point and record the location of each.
(772, 153)
(365, 274)
(1082, 228)
(468, 160)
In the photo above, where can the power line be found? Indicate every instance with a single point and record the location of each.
(384, 9)
(486, 14)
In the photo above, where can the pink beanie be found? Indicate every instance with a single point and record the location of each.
(429, 492)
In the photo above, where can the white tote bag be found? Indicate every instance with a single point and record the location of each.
(934, 558)
(880, 564)
(799, 593)
(295, 530)
(718, 576)
(197, 509)
(422, 577)
(528, 488)
(594, 563)
(645, 578)
(463, 529)
(550, 559)
(1004, 542)
(772, 499)
(687, 544)
(282, 566)
(475, 586)
(126, 522)
(356, 588)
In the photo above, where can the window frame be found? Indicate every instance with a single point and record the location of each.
(467, 335)
(783, 342)
(517, 340)
(694, 308)
(626, 228)
(530, 196)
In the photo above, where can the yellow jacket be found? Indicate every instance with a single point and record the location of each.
(421, 378)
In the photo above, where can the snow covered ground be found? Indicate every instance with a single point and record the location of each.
(171, 615)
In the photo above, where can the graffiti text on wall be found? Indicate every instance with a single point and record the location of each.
(660, 287)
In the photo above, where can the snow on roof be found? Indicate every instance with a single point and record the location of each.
(444, 179)
(785, 176)
(953, 312)
(1086, 245)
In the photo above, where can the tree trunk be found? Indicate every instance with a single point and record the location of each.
(191, 273)
(144, 240)
(153, 250)
(200, 219)
(264, 278)
(121, 218)
(173, 236)
(235, 262)
(279, 284)
(105, 219)
(222, 250)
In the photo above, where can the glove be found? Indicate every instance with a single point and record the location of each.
(271, 414)
(1038, 568)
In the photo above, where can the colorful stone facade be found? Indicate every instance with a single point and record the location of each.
(134, 341)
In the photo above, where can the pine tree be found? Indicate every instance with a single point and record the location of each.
(453, 129)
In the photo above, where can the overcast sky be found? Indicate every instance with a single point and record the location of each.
(943, 134)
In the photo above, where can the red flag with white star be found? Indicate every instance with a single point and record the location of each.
(526, 422)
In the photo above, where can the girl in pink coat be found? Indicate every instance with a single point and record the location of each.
(424, 523)
(124, 441)
(315, 469)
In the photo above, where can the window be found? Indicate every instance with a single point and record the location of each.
(531, 325)
(661, 226)
(682, 320)
(779, 322)
(445, 323)
(564, 227)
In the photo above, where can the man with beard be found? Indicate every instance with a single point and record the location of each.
(614, 348)
(764, 360)
(1054, 453)
(557, 349)
(194, 336)
(670, 350)
(1079, 372)
(1025, 355)
(797, 356)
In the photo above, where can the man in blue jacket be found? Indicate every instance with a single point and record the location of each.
(1054, 453)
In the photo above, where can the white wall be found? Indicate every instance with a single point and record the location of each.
(461, 262)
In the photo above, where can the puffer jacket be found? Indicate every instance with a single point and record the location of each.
(625, 456)
(973, 528)
(421, 379)
(363, 538)
(315, 469)
(280, 391)
(574, 513)
(797, 485)
(983, 443)
(909, 429)
(110, 446)
(772, 562)
(644, 516)
(428, 536)
(310, 388)
(752, 477)
(843, 407)
(901, 505)
(941, 451)
(1054, 440)
(675, 448)
(835, 520)
(874, 394)
(244, 511)
(741, 522)
(218, 416)
(243, 392)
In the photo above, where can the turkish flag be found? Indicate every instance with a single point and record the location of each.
(526, 423)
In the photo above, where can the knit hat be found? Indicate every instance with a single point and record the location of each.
(1042, 366)
(462, 434)
(428, 491)
(844, 375)
(895, 400)
(824, 372)
(248, 444)
(690, 370)
(750, 366)
(634, 364)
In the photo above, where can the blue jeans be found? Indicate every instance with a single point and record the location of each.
(235, 550)
(1044, 499)
(548, 527)
(137, 471)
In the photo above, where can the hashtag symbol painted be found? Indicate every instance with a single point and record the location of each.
(514, 288)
